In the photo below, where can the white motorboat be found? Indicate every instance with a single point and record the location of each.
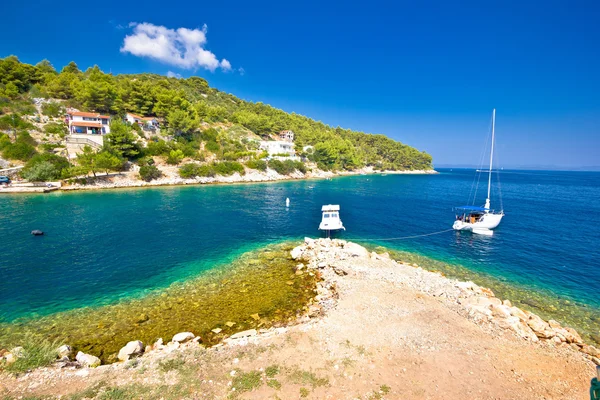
(480, 220)
(330, 220)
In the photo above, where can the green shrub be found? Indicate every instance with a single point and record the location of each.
(53, 109)
(18, 151)
(149, 172)
(227, 168)
(175, 157)
(159, 148)
(54, 128)
(25, 137)
(260, 165)
(192, 170)
(209, 135)
(41, 172)
(212, 146)
(4, 141)
(144, 161)
(188, 149)
(44, 167)
(49, 147)
(287, 167)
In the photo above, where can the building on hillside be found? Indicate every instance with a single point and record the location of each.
(146, 123)
(286, 135)
(87, 123)
(279, 149)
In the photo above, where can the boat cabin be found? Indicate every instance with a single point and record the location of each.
(330, 220)
(470, 214)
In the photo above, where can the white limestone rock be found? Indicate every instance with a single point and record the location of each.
(355, 250)
(65, 351)
(132, 349)
(87, 360)
(297, 252)
(183, 337)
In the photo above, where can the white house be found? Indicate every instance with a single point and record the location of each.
(278, 147)
(287, 136)
(147, 123)
(87, 123)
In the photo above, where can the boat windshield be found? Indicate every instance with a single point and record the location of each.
(325, 215)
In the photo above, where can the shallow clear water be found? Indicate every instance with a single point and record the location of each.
(104, 246)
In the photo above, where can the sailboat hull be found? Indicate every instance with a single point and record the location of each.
(487, 222)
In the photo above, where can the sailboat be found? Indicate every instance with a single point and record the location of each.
(480, 220)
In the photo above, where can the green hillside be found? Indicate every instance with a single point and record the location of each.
(187, 109)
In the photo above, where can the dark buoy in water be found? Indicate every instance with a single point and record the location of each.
(37, 232)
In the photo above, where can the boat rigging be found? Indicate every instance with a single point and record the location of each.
(480, 220)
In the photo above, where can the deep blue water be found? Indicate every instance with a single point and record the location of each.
(102, 246)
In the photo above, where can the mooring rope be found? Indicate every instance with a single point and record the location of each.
(407, 237)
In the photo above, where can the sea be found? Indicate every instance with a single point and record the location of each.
(104, 247)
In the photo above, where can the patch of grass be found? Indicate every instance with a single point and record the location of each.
(274, 383)
(247, 381)
(347, 362)
(36, 353)
(307, 378)
(132, 363)
(378, 395)
(89, 393)
(137, 391)
(304, 392)
(272, 371)
(171, 364)
(361, 350)
(116, 393)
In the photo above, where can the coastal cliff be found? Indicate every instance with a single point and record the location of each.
(376, 328)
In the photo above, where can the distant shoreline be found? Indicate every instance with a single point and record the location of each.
(125, 181)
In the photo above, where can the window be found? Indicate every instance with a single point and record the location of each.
(325, 215)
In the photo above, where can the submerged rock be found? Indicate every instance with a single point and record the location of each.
(183, 337)
(18, 352)
(87, 360)
(132, 349)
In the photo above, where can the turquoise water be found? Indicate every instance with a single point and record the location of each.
(103, 246)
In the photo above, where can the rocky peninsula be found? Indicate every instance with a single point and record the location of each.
(376, 328)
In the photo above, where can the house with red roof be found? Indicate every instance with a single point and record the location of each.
(146, 123)
(87, 123)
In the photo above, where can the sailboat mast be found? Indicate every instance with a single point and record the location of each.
(487, 203)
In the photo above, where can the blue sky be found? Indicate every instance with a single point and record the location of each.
(427, 74)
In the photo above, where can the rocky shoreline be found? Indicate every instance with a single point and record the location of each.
(336, 262)
(171, 178)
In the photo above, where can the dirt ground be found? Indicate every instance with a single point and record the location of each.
(383, 339)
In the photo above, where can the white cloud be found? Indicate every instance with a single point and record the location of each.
(242, 71)
(226, 65)
(172, 74)
(181, 47)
